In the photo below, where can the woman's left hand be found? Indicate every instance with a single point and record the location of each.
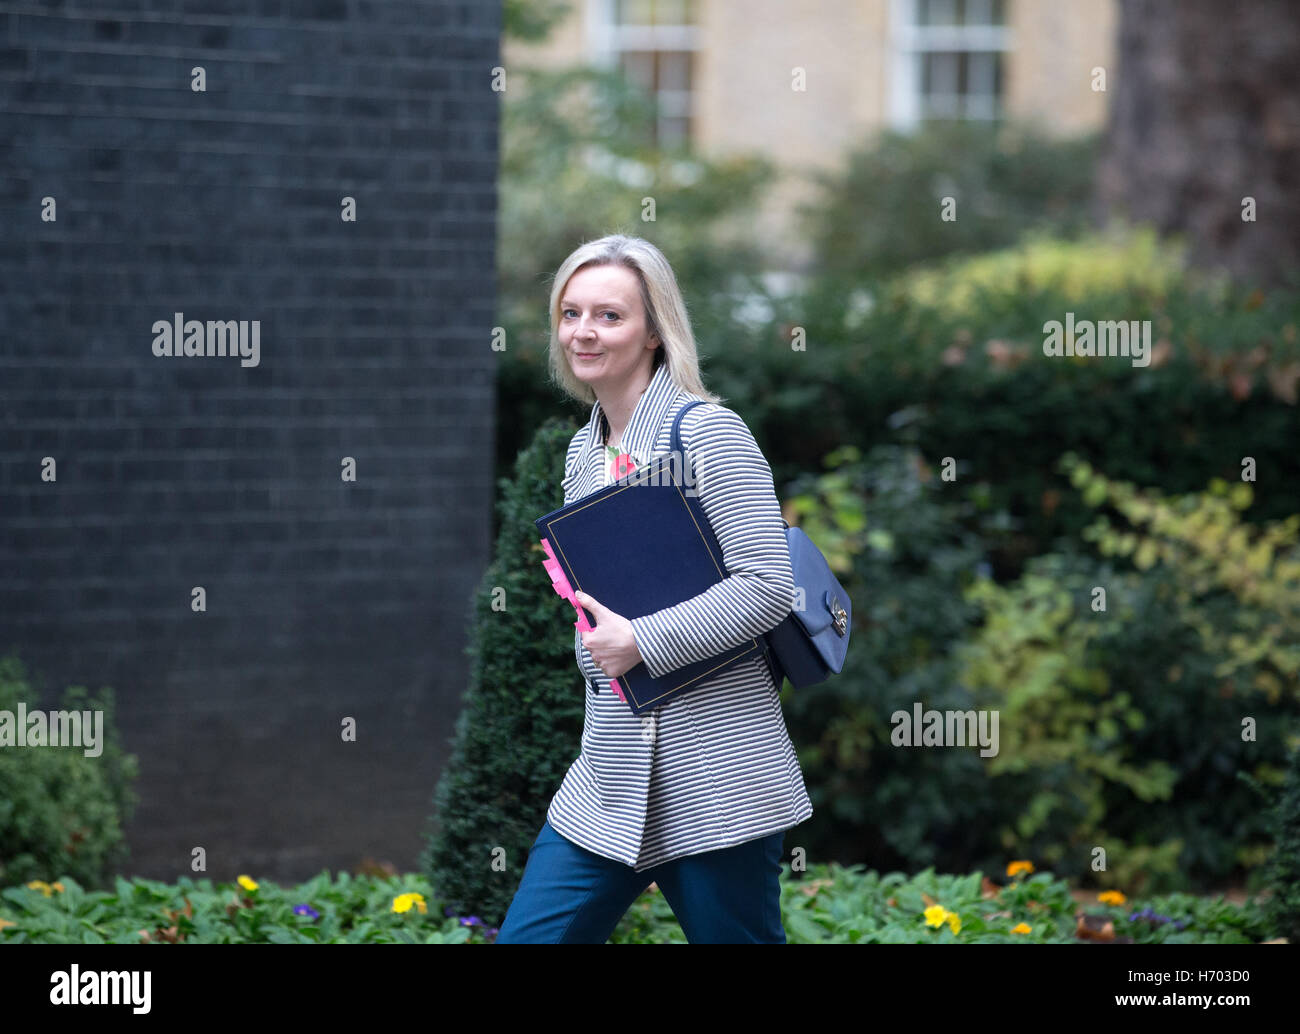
(611, 643)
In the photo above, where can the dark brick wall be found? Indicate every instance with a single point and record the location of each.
(325, 598)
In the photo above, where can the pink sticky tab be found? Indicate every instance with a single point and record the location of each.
(561, 585)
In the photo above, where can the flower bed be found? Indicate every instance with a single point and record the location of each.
(830, 903)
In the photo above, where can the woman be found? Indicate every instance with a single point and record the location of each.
(696, 795)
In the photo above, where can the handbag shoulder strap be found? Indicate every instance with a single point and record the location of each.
(677, 436)
(676, 443)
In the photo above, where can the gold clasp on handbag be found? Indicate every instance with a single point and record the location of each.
(840, 615)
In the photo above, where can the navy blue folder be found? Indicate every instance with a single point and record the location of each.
(639, 545)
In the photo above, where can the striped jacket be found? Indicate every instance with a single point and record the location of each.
(713, 767)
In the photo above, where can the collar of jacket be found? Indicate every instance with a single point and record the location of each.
(642, 430)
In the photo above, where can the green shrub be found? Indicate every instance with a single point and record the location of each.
(61, 812)
(912, 550)
(1118, 729)
(952, 358)
(1115, 733)
(1255, 570)
(1134, 737)
(1064, 734)
(1283, 906)
(1212, 644)
(1116, 264)
(883, 212)
(521, 718)
(1191, 722)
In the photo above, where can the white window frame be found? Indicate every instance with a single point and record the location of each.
(606, 41)
(909, 41)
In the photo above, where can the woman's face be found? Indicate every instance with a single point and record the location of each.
(603, 328)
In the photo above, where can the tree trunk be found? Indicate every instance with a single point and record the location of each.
(1205, 112)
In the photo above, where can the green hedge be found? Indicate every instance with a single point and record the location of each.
(950, 360)
(905, 363)
(521, 719)
(1283, 905)
(61, 812)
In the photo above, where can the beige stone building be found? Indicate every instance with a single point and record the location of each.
(799, 81)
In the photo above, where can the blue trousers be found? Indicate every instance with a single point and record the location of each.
(568, 895)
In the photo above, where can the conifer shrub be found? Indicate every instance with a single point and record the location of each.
(1283, 906)
(520, 724)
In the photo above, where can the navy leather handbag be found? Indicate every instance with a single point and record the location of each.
(811, 642)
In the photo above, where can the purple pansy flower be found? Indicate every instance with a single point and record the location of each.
(1152, 916)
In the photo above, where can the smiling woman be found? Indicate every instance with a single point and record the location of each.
(603, 326)
(694, 796)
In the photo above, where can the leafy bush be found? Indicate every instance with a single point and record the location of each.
(911, 551)
(1255, 571)
(1211, 648)
(883, 212)
(1115, 733)
(61, 811)
(1118, 264)
(1118, 729)
(1064, 734)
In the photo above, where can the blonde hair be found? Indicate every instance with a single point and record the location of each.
(665, 313)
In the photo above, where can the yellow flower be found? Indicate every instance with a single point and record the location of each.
(42, 886)
(247, 883)
(1016, 868)
(403, 902)
(1111, 897)
(6, 922)
(57, 886)
(937, 915)
(1022, 928)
